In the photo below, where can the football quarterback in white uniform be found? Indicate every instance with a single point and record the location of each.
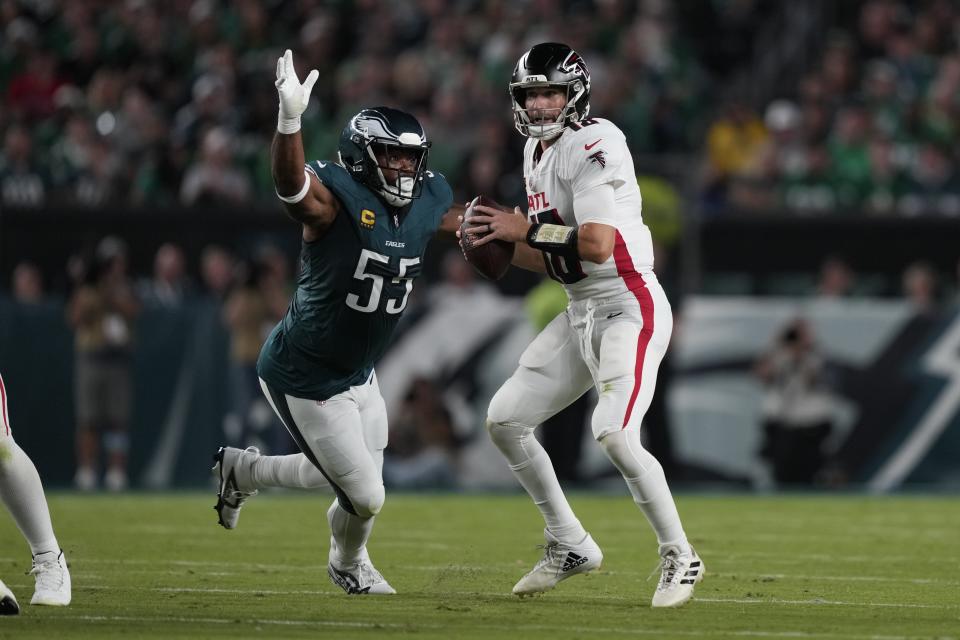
(584, 228)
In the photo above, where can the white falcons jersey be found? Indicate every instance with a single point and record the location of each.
(588, 154)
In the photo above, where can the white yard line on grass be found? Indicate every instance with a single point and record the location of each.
(590, 631)
(794, 558)
(821, 601)
(504, 594)
(247, 567)
(788, 576)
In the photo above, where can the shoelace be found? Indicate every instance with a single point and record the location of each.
(49, 575)
(551, 553)
(365, 574)
(668, 567)
(242, 495)
(369, 574)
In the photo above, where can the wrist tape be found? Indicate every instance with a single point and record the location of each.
(554, 238)
(288, 125)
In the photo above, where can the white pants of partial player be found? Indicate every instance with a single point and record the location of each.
(342, 441)
(615, 345)
(21, 490)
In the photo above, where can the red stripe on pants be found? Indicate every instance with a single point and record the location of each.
(638, 287)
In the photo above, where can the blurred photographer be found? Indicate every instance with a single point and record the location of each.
(102, 311)
(798, 408)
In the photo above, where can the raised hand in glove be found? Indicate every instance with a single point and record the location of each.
(294, 97)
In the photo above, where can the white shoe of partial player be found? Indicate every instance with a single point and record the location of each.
(115, 480)
(53, 580)
(679, 574)
(8, 603)
(85, 479)
(560, 561)
(233, 467)
(360, 578)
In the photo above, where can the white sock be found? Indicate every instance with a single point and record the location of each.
(294, 471)
(349, 535)
(648, 485)
(22, 493)
(532, 467)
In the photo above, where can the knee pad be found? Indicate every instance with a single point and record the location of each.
(516, 442)
(503, 405)
(627, 454)
(507, 435)
(368, 504)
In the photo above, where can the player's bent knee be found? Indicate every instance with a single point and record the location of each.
(497, 411)
(369, 504)
(497, 430)
(624, 449)
(505, 405)
(504, 434)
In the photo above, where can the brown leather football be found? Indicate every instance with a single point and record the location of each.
(491, 260)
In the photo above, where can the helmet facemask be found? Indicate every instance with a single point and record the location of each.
(389, 158)
(548, 130)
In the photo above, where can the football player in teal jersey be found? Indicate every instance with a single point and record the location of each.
(366, 222)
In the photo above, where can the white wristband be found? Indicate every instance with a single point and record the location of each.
(303, 192)
(288, 125)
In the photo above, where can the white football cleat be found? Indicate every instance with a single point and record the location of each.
(679, 574)
(53, 580)
(233, 467)
(560, 561)
(8, 602)
(360, 578)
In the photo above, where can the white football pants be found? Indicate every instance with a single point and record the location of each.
(343, 438)
(616, 345)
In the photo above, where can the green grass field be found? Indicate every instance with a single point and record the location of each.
(158, 566)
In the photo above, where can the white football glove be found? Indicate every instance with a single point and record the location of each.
(294, 97)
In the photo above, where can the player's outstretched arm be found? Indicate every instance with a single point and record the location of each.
(450, 222)
(305, 197)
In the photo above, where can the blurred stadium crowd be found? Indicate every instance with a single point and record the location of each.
(139, 102)
(166, 103)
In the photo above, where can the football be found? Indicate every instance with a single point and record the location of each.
(491, 260)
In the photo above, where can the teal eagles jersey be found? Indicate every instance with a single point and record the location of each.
(354, 283)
